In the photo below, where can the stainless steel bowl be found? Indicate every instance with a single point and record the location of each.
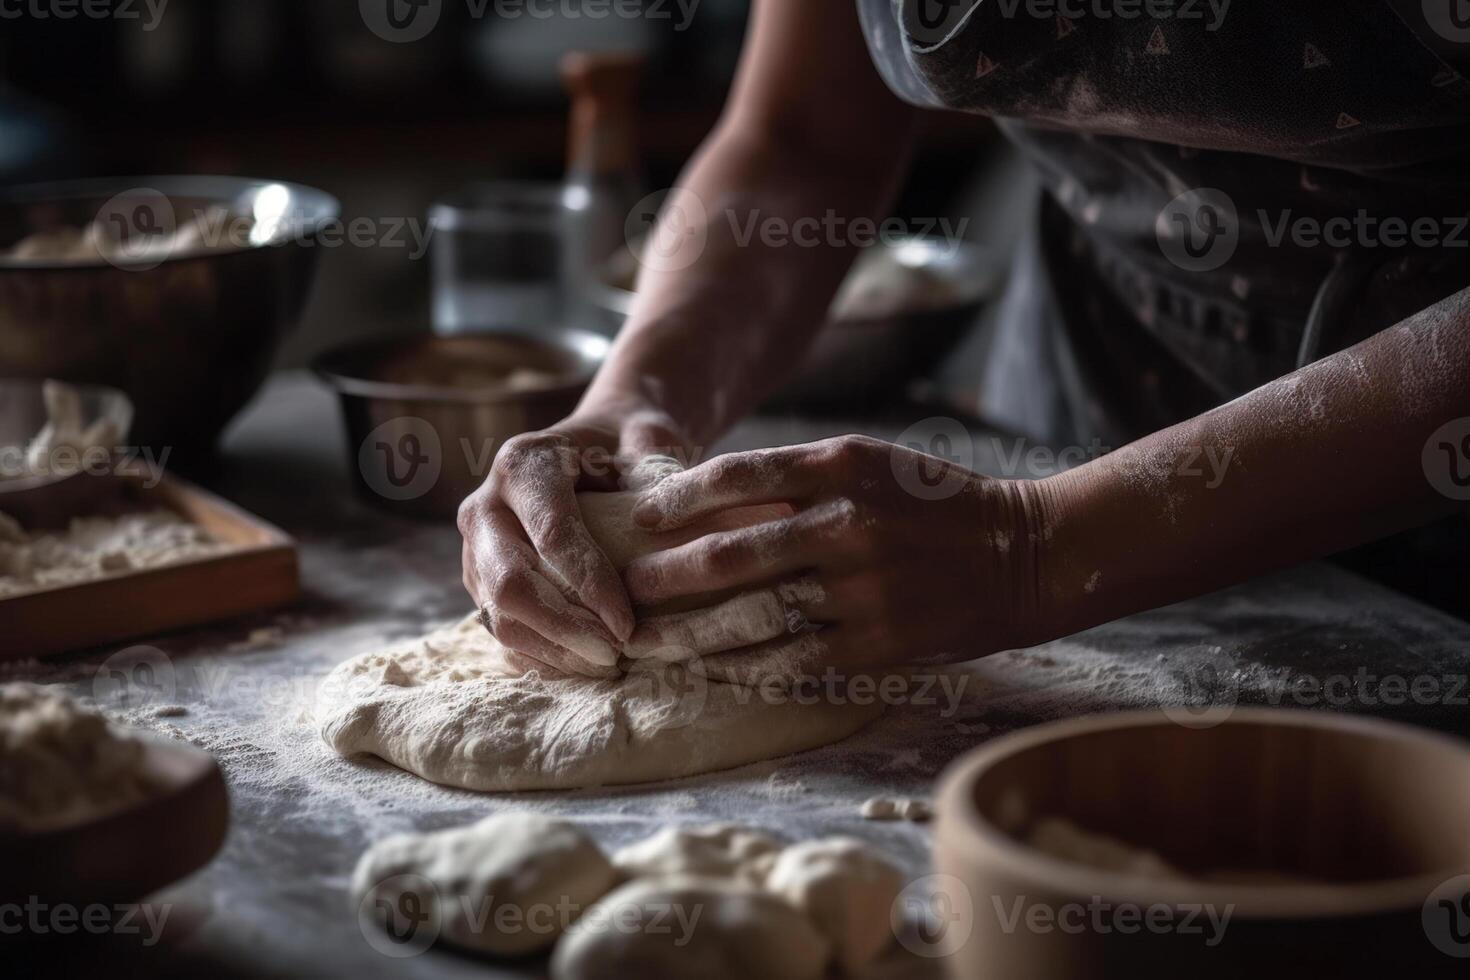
(859, 358)
(426, 416)
(189, 337)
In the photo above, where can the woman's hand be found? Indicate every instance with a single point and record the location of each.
(544, 588)
(898, 556)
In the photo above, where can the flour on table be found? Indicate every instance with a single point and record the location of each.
(454, 708)
(98, 547)
(61, 763)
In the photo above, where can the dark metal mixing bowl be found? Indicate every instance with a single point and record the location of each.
(188, 335)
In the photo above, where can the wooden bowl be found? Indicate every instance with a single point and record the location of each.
(1370, 820)
(129, 853)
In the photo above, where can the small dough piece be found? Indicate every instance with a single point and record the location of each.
(915, 811)
(847, 889)
(691, 927)
(880, 808)
(544, 869)
(887, 808)
(722, 850)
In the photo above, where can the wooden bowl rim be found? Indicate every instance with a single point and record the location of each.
(962, 829)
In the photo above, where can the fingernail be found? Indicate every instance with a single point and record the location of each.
(596, 651)
(622, 628)
(647, 513)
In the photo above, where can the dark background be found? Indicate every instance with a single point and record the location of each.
(303, 90)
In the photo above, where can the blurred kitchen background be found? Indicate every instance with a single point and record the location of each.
(303, 90)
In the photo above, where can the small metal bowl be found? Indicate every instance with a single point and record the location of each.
(188, 334)
(426, 416)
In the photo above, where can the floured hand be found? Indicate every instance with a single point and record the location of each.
(890, 575)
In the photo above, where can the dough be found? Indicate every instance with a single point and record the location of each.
(847, 889)
(886, 808)
(507, 885)
(61, 763)
(723, 850)
(453, 709)
(691, 927)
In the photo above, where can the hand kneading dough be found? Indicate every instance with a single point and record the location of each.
(507, 885)
(690, 927)
(452, 709)
(847, 889)
(723, 850)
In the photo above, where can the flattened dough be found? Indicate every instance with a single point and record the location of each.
(451, 708)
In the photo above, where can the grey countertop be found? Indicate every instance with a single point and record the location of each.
(274, 902)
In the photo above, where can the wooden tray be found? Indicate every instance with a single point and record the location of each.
(261, 574)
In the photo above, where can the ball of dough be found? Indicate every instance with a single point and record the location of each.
(691, 927)
(508, 885)
(846, 888)
(722, 850)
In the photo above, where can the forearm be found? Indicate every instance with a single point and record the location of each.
(705, 342)
(1318, 461)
